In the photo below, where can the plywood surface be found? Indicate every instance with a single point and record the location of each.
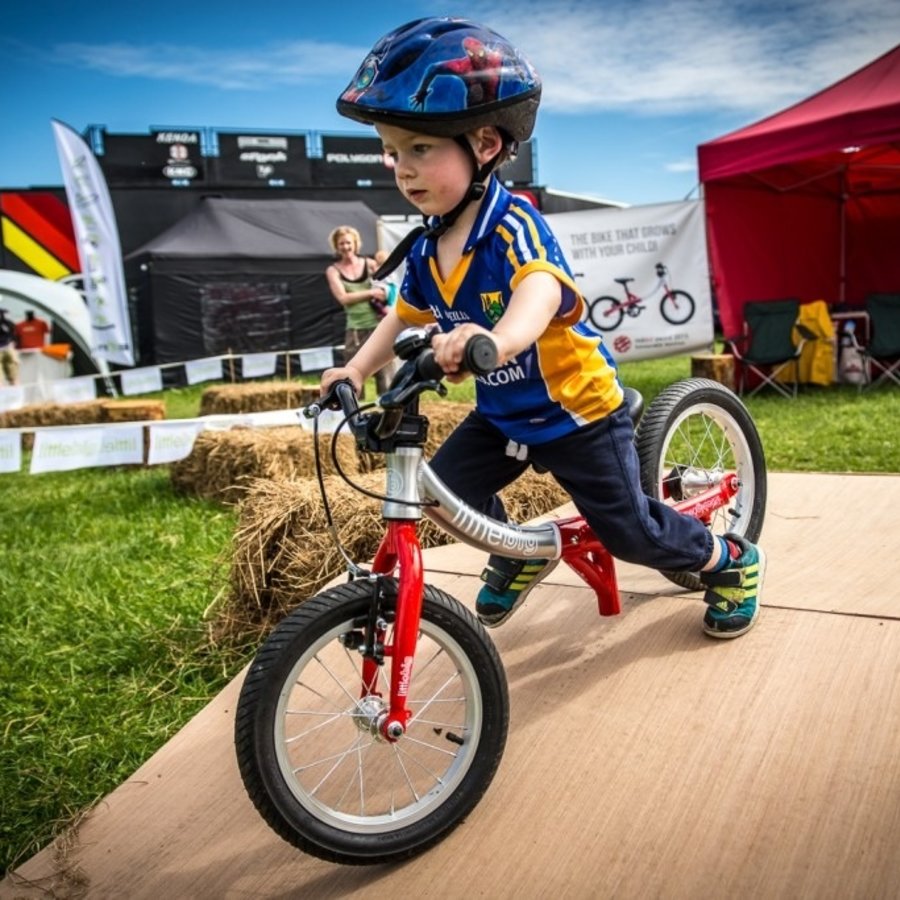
(644, 759)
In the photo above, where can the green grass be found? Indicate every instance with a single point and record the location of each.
(107, 577)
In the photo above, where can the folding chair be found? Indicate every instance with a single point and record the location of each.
(882, 353)
(767, 349)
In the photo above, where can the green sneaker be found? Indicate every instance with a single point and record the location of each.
(733, 593)
(506, 585)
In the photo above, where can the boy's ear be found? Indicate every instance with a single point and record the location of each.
(486, 142)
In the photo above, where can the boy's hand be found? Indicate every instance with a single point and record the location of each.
(340, 373)
(449, 348)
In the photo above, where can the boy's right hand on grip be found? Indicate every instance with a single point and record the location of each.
(479, 356)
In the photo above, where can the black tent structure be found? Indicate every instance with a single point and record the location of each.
(241, 276)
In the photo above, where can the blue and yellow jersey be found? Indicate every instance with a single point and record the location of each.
(564, 380)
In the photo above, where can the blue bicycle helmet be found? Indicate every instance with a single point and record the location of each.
(445, 76)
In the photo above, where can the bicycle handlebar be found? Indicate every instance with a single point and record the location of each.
(421, 372)
(479, 358)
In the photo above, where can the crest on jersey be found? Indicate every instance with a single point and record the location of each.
(492, 304)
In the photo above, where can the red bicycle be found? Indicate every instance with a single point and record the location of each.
(676, 307)
(374, 717)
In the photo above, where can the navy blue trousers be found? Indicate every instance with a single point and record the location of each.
(598, 466)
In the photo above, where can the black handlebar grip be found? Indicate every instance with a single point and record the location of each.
(479, 358)
(480, 354)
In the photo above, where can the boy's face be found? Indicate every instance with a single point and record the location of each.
(433, 173)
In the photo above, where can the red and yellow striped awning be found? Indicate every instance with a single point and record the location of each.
(37, 229)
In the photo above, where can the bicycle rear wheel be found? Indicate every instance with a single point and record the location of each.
(606, 313)
(309, 750)
(693, 433)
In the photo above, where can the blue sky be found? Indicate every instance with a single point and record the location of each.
(631, 87)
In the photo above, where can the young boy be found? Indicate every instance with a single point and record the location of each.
(450, 100)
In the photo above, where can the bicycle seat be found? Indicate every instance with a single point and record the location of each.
(635, 402)
(623, 281)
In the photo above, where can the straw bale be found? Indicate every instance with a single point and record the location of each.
(87, 412)
(283, 551)
(222, 464)
(261, 396)
(37, 415)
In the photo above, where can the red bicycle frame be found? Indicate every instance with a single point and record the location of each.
(581, 550)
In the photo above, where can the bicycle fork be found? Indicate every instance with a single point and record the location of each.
(399, 548)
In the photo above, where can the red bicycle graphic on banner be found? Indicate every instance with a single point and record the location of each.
(676, 307)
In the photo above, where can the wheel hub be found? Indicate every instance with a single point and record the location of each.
(369, 715)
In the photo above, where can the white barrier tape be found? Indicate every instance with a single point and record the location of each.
(87, 447)
(66, 447)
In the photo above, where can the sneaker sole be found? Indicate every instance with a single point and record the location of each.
(727, 635)
(494, 622)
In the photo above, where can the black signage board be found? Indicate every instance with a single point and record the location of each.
(352, 162)
(259, 160)
(160, 158)
(521, 169)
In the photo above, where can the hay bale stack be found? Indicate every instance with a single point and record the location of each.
(132, 410)
(283, 553)
(222, 464)
(443, 416)
(263, 396)
(87, 412)
(37, 415)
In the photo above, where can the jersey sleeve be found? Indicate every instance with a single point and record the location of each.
(532, 247)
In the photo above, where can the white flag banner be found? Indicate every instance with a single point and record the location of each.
(12, 397)
(141, 381)
(97, 239)
(73, 390)
(316, 359)
(171, 441)
(10, 450)
(255, 364)
(644, 273)
(329, 422)
(199, 370)
(63, 449)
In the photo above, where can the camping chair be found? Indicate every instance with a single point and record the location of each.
(767, 349)
(882, 353)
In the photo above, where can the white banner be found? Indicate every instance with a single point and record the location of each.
(316, 358)
(85, 447)
(73, 390)
(661, 250)
(10, 450)
(171, 441)
(255, 364)
(141, 381)
(198, 370)
(97, 238)
(12, 397)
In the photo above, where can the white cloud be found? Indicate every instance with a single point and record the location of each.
(680, 166)
(253, 69)
(675, 56)
(641, 56)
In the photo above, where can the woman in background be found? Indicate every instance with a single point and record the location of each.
(350, 280)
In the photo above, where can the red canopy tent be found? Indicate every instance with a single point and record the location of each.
(806, 203)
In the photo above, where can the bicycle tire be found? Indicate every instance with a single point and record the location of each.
(677, 307)
(306, 754)
(692, 431)
(606, 313)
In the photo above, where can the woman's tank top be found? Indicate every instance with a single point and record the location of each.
(360, 316)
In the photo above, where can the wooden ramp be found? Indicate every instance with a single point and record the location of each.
(644, 759)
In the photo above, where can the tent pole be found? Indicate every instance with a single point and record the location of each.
(842, 276)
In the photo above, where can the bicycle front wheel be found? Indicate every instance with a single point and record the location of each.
(694, 433)
(309, 750)
(677, 307)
